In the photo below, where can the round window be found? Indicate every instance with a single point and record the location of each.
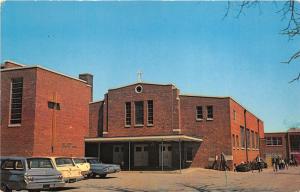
(138, 89)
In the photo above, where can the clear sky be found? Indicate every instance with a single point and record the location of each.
(184, 43)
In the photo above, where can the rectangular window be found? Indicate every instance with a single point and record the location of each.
(16, 101)
(127, 114)
(252, 139)
(237, 141)
(150, 112)
(210, 112)
(233, 140)
(242, 136)
(234, 115)
(248, 138)
(257, 140)
(139, 113)
(53, 105)
(273, 141)
(199, 113)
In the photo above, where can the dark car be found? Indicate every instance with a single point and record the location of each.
(243, 167)
(101, 169)
(32, 174)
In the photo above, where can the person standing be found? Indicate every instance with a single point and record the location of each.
(215, 164)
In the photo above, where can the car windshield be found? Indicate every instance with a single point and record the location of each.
(77, 160)
(39, 163)
(64, 161)
(93, 161)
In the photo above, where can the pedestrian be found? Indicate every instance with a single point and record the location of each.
(274, 164)
(277, 163)
(286, 163)
(223, 163)
(259, 162)
(215, 164)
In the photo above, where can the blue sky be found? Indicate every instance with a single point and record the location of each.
(188, 44)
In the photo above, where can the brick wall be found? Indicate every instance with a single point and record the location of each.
(215, 133)
(96, 119)
(253, 124)
(69, 124)
(164, 105)
(18, 140)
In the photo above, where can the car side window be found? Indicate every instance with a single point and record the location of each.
(7, 165)
(19, 165)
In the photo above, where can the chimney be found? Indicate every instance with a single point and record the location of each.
(89, 80)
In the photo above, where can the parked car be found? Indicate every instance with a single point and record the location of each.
(101, 169)
(263, 165)
(83, 165)
(32, 174)
(243, 167)
(70, 172)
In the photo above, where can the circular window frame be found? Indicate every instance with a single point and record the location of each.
(137, 87)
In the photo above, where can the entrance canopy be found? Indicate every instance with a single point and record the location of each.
(144, 138)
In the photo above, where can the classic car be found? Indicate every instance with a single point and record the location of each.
(70, 172)
(83, 165)
(101, 169)
(32, 174)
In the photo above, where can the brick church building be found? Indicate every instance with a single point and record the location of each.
(153, 126)
(43, 112)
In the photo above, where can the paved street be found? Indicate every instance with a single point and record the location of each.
(194, 180)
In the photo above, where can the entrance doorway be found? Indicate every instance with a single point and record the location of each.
(167, 155)
(140, 155)
(118, 154)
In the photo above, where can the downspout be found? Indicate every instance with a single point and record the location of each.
(258, 137)
(245, 125)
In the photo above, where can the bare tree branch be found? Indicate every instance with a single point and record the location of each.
(293, 57)
(296, 79)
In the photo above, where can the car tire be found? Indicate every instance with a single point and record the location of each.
(103, 175)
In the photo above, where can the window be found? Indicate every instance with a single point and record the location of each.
(12, 165)
(16, 101)
(210, 112)
(39, 163)
(127, 114)
(234, 115)
(273, 141)
(150, 112)
(138, 89)
(242, 136)
(8, 165)
(233, 140)
(189, 154)
(53, 105)
(64, 161)
(248, 138)
(139, 113)
(257, 140)
(237, 141)
(138, 149)
(252, 140)
(199, 113)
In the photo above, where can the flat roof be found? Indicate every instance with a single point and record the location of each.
(46, 69)
(143, 138)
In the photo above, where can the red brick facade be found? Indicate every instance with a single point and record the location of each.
(44, 131)
(175, 114)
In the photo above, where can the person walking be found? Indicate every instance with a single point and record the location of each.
(223, 162)
(274, 164)
(215, 164)
(259, 162)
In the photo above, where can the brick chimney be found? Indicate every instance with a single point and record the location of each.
(89, 80)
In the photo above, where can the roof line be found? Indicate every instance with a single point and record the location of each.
(127, 85)
(206, 96)
(46, 69)
(96, 101)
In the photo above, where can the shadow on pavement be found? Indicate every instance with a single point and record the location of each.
(209, 188)
(102, 177)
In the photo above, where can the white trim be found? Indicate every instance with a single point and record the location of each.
(105, 132)
(145, 138)
(46, 69)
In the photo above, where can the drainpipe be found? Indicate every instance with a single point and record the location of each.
(258, 137)
(245, 125)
